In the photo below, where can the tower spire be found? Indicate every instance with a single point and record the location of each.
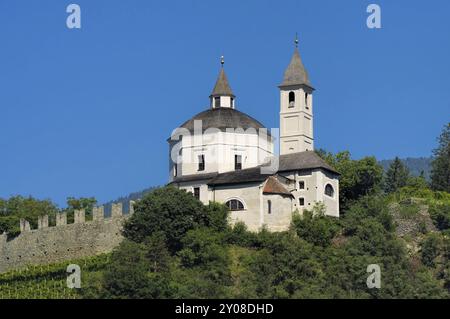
(222, 95)
(296, 73)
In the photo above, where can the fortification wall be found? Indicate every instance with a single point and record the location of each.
(62, 242)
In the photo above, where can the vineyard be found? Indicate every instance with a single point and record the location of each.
(50, 281)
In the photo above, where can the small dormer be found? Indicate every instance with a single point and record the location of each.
(222, 96)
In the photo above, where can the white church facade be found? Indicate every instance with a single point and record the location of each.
(227, 156)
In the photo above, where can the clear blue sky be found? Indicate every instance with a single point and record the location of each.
(87, 112)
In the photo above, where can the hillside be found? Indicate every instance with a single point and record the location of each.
(406, 233)
(416, 165)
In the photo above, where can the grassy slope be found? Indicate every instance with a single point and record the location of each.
(49, 281)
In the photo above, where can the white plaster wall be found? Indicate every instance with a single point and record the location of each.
(219, 149)
(331, 203)
(281, 215)
(315, 181)
(296, 123)
(204, 192)
(250, 195)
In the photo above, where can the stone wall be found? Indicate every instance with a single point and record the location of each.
(62, 242)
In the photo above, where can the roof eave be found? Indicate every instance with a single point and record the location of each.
(286, 85)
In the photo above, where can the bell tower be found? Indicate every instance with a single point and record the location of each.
(296, 108)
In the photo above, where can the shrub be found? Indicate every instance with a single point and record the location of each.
(168, 210)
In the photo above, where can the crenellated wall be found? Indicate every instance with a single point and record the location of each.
(62, 242)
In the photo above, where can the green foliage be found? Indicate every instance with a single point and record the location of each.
(425, 194)
(440, 172)
(29, 208)
(205, 255)
(368, 208)
(418, 167)
(176, 247)
(396, 176)
(417, 182)
(134, 272)
(409, 210)
(169, 210)
(239, 235)
(50, 281)
(441, 216)
(78, 204)
(218, 216)
(314, 227)
(431, 247)
(358, 177)
(201, 247)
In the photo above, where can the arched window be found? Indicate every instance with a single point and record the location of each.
(329, 190)
(269, 207)
(235, 204)
(291, 99)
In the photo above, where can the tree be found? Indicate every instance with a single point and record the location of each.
(441, 216)
(87, 204)
(358, 177)
(81, 203)
(440, 166)
(396, 176)
(168, 210)
(131, 273)
(29, 208)
(430, 249)
(314, 227)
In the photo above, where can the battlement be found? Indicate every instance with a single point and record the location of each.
(63, 241)
(98, 215)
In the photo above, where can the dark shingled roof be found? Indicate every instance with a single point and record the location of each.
(288, 162)
(296, 73)
(222, 87)
(241, 176)
(303, 160)
(194, 177)
(223, 118)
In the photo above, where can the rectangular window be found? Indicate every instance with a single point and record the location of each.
(175, 170)
(301, 185)
(237, 162)
(217, 102)
(197, 192)
(302, 201)
(201, 162)
(269, 207)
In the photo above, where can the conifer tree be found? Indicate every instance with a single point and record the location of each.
(396, 176)
(440, 166)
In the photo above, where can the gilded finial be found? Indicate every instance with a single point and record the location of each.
(296, 40)
(222, 60)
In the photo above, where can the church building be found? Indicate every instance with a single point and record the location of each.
(224, 155)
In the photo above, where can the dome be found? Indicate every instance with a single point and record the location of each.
(223, 118)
